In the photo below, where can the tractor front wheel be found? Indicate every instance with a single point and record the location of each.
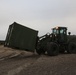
(52, 49)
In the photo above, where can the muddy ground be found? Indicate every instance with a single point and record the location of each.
(19, 62)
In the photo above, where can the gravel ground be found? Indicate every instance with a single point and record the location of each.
(16, 62)
(12, 61)
(64, 64)
(15, 65)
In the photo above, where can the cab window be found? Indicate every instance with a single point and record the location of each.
(54, 31)
(63, 31)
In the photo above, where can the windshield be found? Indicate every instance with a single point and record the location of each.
(62, 31)
(59, 31)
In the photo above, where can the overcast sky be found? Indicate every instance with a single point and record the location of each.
(41, 15)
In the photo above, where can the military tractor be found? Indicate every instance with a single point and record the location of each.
(56, 42)
(24, 38)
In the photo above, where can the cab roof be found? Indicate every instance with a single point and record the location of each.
(60, 27)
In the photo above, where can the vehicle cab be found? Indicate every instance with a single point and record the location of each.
(60, 34)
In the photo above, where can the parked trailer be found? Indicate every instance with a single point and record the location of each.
(21, 37)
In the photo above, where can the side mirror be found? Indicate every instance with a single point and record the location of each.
(69, 33)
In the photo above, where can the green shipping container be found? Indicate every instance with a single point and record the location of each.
(21, 37)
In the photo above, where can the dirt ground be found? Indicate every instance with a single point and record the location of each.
(19, 62)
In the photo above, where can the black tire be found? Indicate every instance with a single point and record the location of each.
(52, 49)
(71, 48)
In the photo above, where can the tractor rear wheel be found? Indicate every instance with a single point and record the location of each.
(71, 47)
(52, 49)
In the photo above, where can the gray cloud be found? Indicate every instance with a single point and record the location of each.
(41, 15)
